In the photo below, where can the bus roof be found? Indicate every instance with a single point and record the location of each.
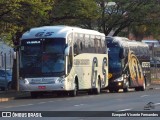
(122, 41)
(150, 41)
(56, 32)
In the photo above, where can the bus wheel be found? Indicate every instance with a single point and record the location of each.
(98, 89)
(111, 90)
(137, 89)
(143, 87)
(74, 92)
(116, 90)
(126, 89)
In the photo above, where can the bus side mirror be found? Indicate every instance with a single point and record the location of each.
(121, 53)
(67, 50)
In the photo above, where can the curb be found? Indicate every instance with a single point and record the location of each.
(6, 99)
(11, 95)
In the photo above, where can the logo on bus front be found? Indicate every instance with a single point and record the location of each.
(42, 81)
(43, 34)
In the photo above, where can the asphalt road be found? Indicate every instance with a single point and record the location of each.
(115, 102)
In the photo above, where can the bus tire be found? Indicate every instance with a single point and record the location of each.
(116, 90)
(98, 89)
(137, 89)
(143, 87)
(111, 90)
(74, 92)
(126, 89)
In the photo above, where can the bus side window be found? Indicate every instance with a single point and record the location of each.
(96, 44)
(86, 38)
(81, 46)
(76, 50)
(80, 43)
(92, 44)
(70, 60)
(100, 46)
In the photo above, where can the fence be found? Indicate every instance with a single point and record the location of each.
(155, 73)
(6, 60)
(155, 63)
(6, 64)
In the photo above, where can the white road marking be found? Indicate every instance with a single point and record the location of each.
(50, 101)
(24, 105)
(42, 103)
(145, 95)
(9, 107)
(156, 103)
(157, 88)
(126, 109)
(19, 106)
(78, 105)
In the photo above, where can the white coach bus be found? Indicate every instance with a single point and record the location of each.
(62, 59)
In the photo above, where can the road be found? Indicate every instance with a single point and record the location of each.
(117, 102)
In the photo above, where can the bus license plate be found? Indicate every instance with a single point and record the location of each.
(42, 87)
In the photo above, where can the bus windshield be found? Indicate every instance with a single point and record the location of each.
(114, 59)
(43, 57)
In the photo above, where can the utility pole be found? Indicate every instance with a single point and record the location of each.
(15, 71)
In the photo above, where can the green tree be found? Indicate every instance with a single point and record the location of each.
(20, 15)
(74, 13)
(126, 14)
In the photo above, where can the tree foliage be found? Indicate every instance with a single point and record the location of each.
(127, 13)
(76, 12)
(140, 17)
(20, 15)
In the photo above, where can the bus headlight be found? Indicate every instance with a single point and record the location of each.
(24, 80)
(118, 79)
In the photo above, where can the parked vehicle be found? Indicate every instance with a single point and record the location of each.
(5, 79)
(63, 59)
(129, 64)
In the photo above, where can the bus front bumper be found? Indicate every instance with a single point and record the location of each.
(42, 87)
(116, 85)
